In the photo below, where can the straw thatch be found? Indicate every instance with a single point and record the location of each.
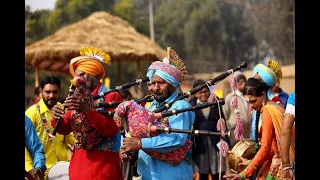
(102, 30)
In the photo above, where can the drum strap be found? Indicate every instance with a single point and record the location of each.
(46, 126)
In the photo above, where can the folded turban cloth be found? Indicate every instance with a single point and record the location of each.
(166, 71)
(88, 64)
(267, 75)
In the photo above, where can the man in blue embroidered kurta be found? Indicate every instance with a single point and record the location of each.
(35, 148)
(165, 77)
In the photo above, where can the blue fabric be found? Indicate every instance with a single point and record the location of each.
(291, 99)
(153, 169)
(283, 96)
(253, 125)
(167, 77)
(211, 89)
(294, 165)
(115, 141)
(265, 76)
(34, 145)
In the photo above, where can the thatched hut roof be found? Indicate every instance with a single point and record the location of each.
(102, 30)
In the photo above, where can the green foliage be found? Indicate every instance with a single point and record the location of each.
(70, 11)
(35, 25)
(208, 35)
(169, 23)
(124, 9)
(203, 35)
(192, 28)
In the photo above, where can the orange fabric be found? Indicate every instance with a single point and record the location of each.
(277, 123)
(269, 132)
(93, 67)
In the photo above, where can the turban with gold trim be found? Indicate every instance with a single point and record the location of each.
(269, 74)
(171, 69)
(92, 61)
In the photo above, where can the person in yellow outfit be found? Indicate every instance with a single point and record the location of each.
(55, 149)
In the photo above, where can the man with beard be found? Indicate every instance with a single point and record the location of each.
(165, 76)
(100, 160)
(55, 149)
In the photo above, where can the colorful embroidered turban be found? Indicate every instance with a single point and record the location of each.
(92, 61)
(171, 69)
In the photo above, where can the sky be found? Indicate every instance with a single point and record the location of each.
(40, 4)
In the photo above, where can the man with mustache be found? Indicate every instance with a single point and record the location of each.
(55, 149)
(98, 139)
(165, 77)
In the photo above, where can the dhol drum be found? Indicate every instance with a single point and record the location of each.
(59, 171)
(244, 148)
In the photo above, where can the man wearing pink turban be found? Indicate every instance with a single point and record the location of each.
(165, 77)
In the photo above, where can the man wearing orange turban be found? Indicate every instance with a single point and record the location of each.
(102, 160)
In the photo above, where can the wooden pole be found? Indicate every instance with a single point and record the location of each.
(151, 26)
(36, 76)
(119, 79)
(139, 94)
(138, 69)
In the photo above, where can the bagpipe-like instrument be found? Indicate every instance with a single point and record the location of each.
(210, 82)
(71, 92)
(192, 131)
(166, 113)
(124, 86)
(147, 98)
(143, 123)
(86, 135)
(108, 104)
(192, 108)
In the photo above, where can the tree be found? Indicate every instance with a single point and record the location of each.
(124, 9)
(169, 24)
(69, 11)
(204, 37)
(35, 25)
(273, 24)
(239, 37)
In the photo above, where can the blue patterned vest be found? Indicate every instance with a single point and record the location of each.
(108, 144)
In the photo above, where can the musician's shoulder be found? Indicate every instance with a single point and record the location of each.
(31, 110)
(181, 104)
